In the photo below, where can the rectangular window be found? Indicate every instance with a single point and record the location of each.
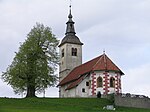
(87, 83)
(83, 90)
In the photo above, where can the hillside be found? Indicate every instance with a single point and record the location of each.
(59, 105)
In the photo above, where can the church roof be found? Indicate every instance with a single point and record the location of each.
(70, 36)
(75, 83)
(72, 39)
(100, 63)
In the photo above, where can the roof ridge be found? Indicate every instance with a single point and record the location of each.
(100, 57)
(113, 63)
(105, 61)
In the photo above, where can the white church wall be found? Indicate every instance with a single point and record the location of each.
(64, 92)
(83, 89)
(115, 76)
(110, 89)
(72, 92)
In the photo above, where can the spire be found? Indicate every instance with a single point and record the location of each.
(70, 35)
(70, 25)
(70, 15)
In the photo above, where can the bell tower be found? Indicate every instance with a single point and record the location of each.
(70, 49)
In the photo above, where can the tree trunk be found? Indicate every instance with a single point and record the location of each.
(30, 91)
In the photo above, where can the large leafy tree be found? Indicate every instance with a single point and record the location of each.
(34, 65)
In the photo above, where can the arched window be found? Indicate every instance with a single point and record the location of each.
(74, 51)
(62, 53)
(112, 82)
(99, 82)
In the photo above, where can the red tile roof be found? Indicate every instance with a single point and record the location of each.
(75, 83)
(101, 63)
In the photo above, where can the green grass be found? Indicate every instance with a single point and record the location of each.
(59, 105)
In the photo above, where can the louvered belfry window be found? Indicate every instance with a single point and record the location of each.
(74, 51)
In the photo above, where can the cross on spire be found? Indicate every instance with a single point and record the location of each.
(104, 51)
(70, 3)
(70, 6)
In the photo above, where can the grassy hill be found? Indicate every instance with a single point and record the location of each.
(59, 105)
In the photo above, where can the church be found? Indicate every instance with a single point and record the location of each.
(77, 79)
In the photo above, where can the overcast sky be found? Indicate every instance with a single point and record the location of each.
(121, 27)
